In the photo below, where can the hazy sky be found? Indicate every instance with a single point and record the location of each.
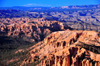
(46, 3)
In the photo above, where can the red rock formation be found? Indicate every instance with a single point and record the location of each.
(35, 29)
(63, 48)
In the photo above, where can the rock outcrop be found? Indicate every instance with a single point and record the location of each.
(30, 29)
(66, 48)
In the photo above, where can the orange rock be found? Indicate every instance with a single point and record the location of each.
(33, 28)
(58, 53)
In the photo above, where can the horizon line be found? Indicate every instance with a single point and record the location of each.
(49, 6)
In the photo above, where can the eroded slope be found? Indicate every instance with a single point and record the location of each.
(30, 29)
(66, 48)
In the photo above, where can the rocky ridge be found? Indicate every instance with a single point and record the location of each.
(66, 48)
(29, 29)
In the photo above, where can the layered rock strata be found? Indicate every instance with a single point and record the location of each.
(66, 48)
(32, 31)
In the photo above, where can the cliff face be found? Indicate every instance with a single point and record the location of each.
(32, 30)
(66, 48)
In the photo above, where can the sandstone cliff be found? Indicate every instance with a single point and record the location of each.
(30, 29)
(66, 48)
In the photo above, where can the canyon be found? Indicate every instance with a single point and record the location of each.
(50, 36)
(66, 48)
(34, 29)
(60, 45)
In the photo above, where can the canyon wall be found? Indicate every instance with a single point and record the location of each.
(30, 29)
(66, 48)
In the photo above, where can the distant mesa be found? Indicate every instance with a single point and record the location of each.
(64, 7)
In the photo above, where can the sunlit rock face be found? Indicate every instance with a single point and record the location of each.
(34, 29)
(66, 48)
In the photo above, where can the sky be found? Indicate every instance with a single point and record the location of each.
(46, 3)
